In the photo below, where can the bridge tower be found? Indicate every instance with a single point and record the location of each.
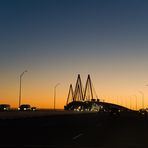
(88, 92)
(78, 93)
(70, 95)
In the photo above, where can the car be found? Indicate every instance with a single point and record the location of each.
(24, 107)
(4, 107)
(143, 112)
(33, 108)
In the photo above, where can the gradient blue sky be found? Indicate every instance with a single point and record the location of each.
(57, 39)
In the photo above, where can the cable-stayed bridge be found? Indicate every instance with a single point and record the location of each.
(81, 94)
(86, 99)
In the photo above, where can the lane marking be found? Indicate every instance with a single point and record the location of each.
(76, 137)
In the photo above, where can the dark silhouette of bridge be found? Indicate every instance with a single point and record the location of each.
(82, 99)
(80, 94)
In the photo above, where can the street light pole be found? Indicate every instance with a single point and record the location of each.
(136, 101)
(130, 102)
(20, 89)
(55, 94)
(142, 98)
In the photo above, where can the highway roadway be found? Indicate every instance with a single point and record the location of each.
(90, 130)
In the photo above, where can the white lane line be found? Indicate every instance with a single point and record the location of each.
(76, 137)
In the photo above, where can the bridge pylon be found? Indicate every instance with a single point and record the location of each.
(78, 92)
(70, 97)
(88, 92)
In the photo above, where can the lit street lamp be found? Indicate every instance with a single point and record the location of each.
(20, 89)
(55, 94)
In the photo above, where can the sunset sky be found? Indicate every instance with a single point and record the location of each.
(55, 40)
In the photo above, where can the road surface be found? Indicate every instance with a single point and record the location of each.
(95, 130)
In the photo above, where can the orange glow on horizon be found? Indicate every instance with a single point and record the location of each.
(43, 96)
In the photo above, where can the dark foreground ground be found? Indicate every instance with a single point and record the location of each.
(89, 130)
